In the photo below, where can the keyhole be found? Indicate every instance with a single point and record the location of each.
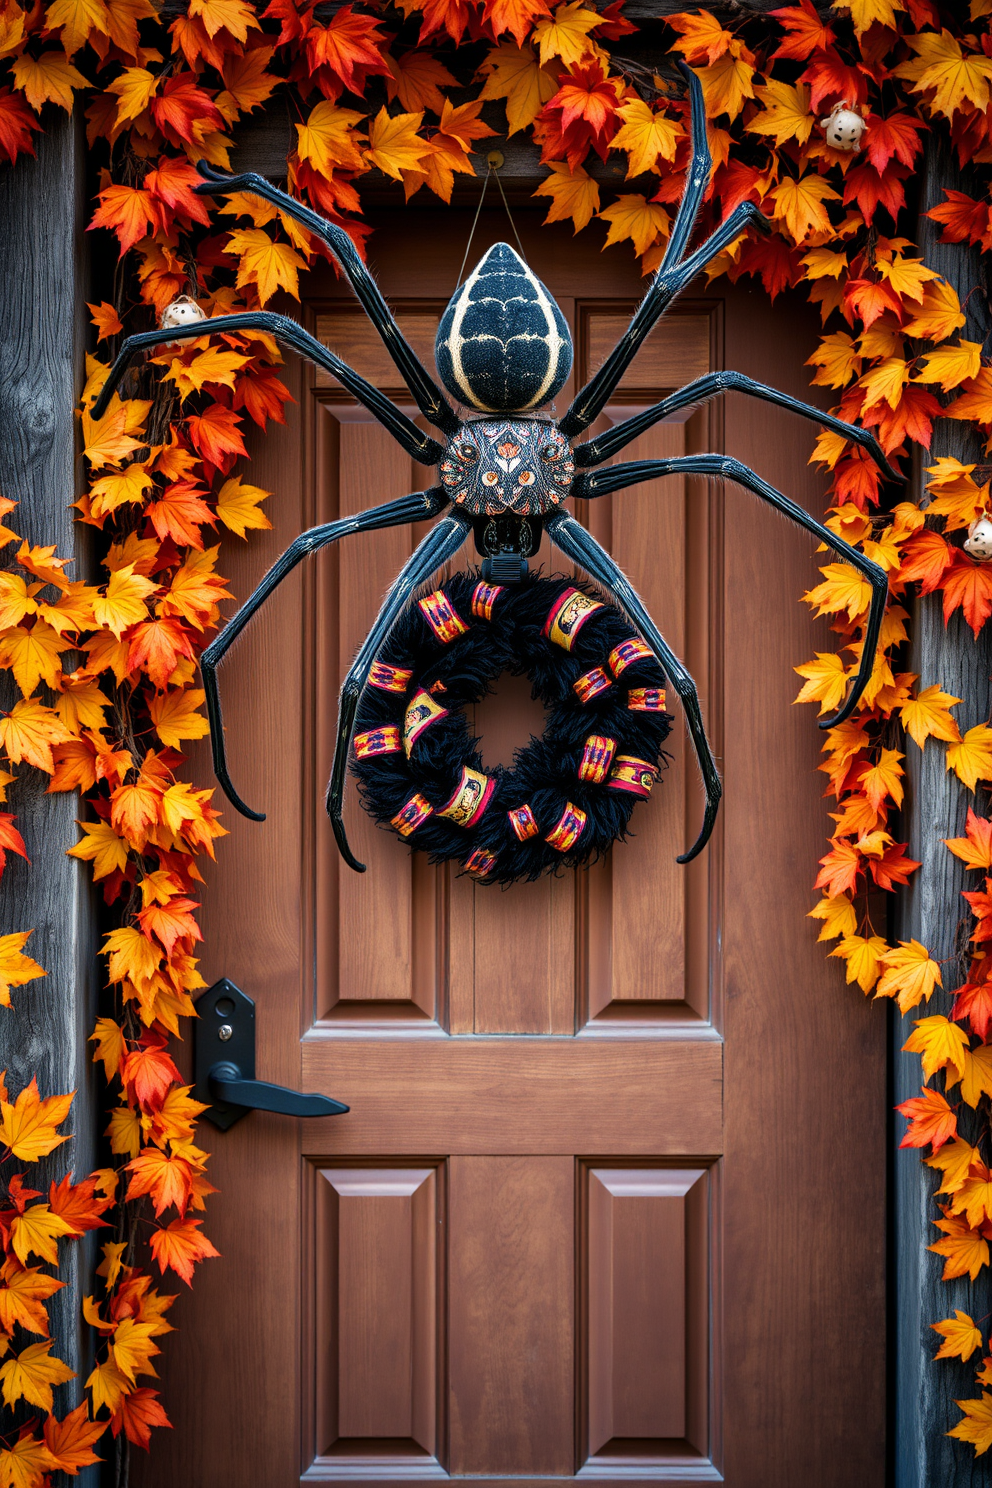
(506, 719)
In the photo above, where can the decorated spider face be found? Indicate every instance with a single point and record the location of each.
(493, 467)
(503, 345)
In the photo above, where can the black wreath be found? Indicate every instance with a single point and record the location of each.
(580, 780)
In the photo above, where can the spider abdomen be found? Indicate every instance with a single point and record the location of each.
(503, 345)
(497, 466)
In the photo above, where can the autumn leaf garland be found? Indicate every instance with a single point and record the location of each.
(106, 672)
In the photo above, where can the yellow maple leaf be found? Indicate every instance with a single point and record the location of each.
(927, 717)
(838, 915)
(959, 81)
(394, 144)
(124, 602)
(31, 1374)
(328, 140)
(949, 366)
(961, 1337)
(28, 732)
(28, 1125)
(236, 17)
(843, 589)
(910, 975)
(976, 1427)
(825, 263)
(216, 366)
(134, 89)
(964, 1249)
(727, 85)
(884, 382)
(24, 1464)
(416, 79)
(837, 358)
(865, 13)
(515, 73)
(32, 655)
(238, 506)
(49, 79)
(124, 1132)
(645, 136)
(940, 316)
(940, 1043)
(131, 956)
(174, 714)
(108, 1386)
(977, 1078)
(863, 956)
(884, 779)
(566, 34)
(785, 115)
(954, 1161)
(799, 204)
(77, 19)
(36, 1231)
(15, 968)
(106, 441)
(907, 276)
(632, 216)
(269, 266)
(971, 757)
(103, 847)
(119, 487)
(826, 681)
(111, 1048)
(574, 194)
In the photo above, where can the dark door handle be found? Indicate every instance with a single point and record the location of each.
(226, 1084)
(224, 1064)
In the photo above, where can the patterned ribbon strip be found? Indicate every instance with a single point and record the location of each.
(634, 775)
(625, 655)
(389, 678)
(523, 822)
(411, 815)
(442, 617)
(591, 684)
(484, 596)
(569, 613)
(472, 795)
(481, 862)
(421, 712)
(597, 757)
(646, 700)
(378, 741)
(568, 830)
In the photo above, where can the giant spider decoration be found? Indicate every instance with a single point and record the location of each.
(504, 349)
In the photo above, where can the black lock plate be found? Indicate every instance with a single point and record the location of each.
(225, 1032)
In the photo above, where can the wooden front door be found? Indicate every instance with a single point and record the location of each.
(609, 1200)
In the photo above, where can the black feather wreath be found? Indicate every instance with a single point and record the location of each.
(545, 774)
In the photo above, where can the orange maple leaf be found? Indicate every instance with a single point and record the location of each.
(179, 1246)
(931, 1121)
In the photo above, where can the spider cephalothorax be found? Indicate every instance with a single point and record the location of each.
(503, 345)
(504, 349)
(496, 466)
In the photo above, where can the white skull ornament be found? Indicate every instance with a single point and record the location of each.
(183, 311)
(843, 127)
(979, 540)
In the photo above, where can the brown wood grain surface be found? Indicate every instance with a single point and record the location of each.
(638, 1251)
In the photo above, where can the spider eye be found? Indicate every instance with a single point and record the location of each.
(468, 452)
(526, 477)
(551, 453)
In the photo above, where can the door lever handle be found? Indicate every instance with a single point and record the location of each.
(224, 1064)
(227, 1084)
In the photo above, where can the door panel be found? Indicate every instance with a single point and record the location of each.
(567, 1229)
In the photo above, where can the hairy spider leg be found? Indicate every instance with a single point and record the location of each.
(697, 177)
(426, 394)
(595, 451)
(413, 508)
(420, 446)
(576, 543)
(665, 287)
(618, 476)
(440, 544)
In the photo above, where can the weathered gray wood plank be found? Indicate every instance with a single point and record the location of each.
(40, 366)
(932, 911)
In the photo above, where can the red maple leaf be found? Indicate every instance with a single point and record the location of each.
(974, 1002)
(10, 838)
(805, 32)
(963, 219)
(926, 557)
(78, 1204)
(157, 648)
(262, 395)
(216, 435)
(350, 46)
(870, 189)
(931, 1120)
(829, 76)
(893, 867)
(897, 135)
(968, 587)
(140, 1411)
(16, 123)
(183, 109)
(856, 479)
(869, 300)
(171, 183)
(148, 1071)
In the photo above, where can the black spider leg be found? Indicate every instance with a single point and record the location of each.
(697, 177)
(440, 544)
(416, 443)
(666, 285)
(412, 508)
(426, 394)
(617, 476)
(595, 451)
(573, 540)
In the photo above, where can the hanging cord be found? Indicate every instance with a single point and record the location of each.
(493, 164)
(475, 223)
